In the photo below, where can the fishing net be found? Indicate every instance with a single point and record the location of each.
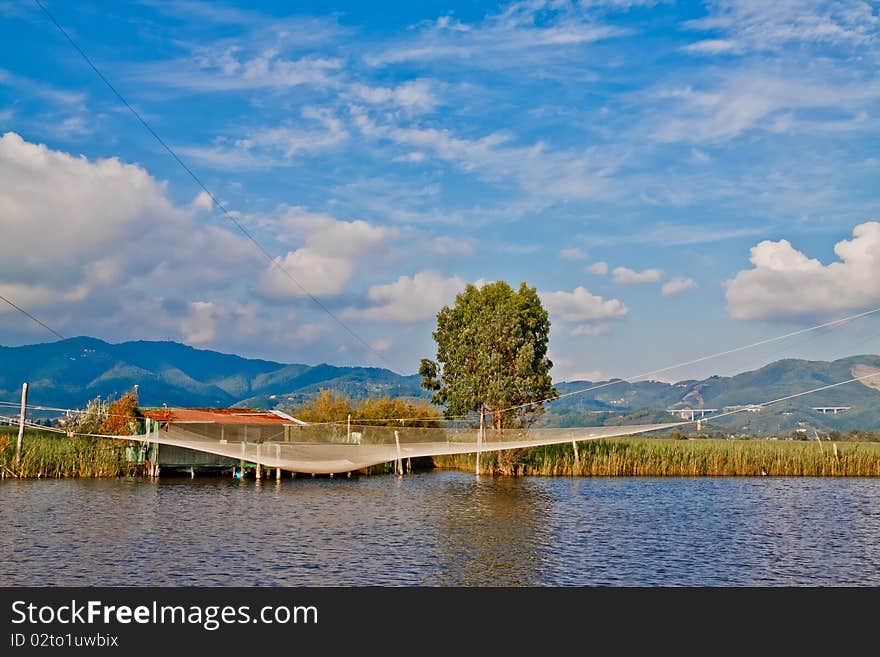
(335, 448)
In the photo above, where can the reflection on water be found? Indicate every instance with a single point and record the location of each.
(441, 528)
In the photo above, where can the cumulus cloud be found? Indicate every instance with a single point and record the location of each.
(97, 247)
(95, 222)
(677, 286)
(573, 253)
(627, 276)
(784, 283)
(589, 312)
(410, 298)
(598, 268)
(326, 262)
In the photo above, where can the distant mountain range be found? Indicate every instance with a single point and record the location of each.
(69, 372)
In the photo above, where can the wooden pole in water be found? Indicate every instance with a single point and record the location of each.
(259, 465)
(24, 391)
(398, 466)
(480, 435)
(348, 432)
(243, 446)
(278, 456)
(577, 457)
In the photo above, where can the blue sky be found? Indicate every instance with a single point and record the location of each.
(675, 178)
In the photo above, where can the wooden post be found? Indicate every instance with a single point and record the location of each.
(348, 433)
(577, 457)
(398, 466)
(243, 445)
(154, 452)
(259, 469)
(480, 435)
(24, 391)
(278, 456)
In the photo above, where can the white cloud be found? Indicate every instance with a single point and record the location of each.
(573, 253)
(312, 272)
(598, 268)
(318, 131)
(452, 246)
(202, 201)
(95, 222)
(213, 69)
(326, 262)
(199, 326)
(96, 246)
(542, 172)
(522, 33)
(627, 276)
(786, 284)
(677, 285)
(410, 298)
(730, 103)
(591, 329)
(712, 47)
(756, 25)
(580, 306)
(414, 95)
(700, 157)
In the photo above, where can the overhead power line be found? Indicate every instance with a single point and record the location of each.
(35, 319)
(244, 231)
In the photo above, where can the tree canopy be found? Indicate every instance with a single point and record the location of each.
(491, 354)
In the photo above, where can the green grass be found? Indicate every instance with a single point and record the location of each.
(661, 457)
(47, 454)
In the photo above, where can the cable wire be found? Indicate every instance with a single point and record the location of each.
(274, 262)
(38, 321)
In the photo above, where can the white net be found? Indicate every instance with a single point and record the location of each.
(336, 448)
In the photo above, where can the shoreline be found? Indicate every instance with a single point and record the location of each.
(47, 456)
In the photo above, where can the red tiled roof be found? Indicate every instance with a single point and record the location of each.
(216, 415)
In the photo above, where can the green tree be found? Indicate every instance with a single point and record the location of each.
(492, 354)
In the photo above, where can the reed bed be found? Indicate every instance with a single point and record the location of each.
(47, 454)
(660, 457)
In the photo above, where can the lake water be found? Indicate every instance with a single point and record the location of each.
(441, 528)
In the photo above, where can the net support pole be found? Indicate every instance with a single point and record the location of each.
(155, 451)
(241, 464)
(278, 456)
(398, 465)
(577, 457)
(259, 468)
(480, 435)
(21, 417)
(348, 431)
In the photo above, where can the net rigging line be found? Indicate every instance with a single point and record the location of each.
(35, 319)
(726, 352)
(701, 359)
(273, 262)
